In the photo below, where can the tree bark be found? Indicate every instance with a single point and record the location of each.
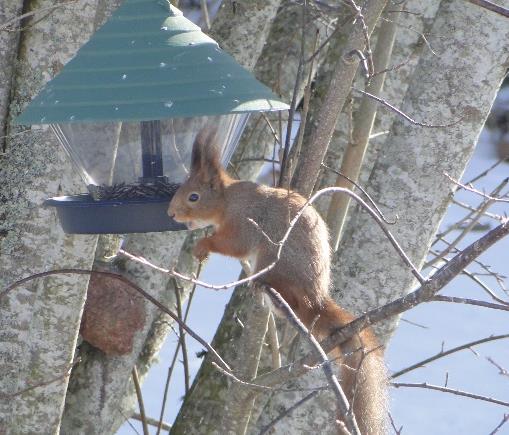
(408, 176)
(9, 40)
(101, 394)
(39, 323)
(309, 165)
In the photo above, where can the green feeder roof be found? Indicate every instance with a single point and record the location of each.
(148, 62)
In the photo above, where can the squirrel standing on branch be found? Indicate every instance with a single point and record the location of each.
(249, 220)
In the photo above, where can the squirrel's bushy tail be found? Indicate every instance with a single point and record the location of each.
(363, 374)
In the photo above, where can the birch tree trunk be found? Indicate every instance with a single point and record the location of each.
(457, 84)
(39, 321)
(9, 38)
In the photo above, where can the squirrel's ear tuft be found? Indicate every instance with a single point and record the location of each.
(205, 159)
(205, 152)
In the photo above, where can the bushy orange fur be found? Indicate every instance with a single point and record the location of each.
(249, 219)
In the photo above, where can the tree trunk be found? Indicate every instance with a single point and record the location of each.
(101, 393)
(9, 40)
(39, 321)
(408, 175)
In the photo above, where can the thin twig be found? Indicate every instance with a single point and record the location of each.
(139, 396)
(466, 301)
(151, 421)
(501, 370)
(365, 193)
(393, 424)
(481, 284)
(295, 151)
(505, 419)
(343, 406)
(175, 355)
(273, 341)
(487, 171)
(478, 192)
(369, 67)
(445, 353)
(420, 34)
(468, 207)
(281, 243)
(490, 6)
(424, 293)
(259, 387)
(293, 104)
(427, 386)
(402, 114)
(265, 429)
(182, 337)
(474, 219)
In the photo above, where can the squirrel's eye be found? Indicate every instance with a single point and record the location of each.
(193, 197)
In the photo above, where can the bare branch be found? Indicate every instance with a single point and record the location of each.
(281, 243)
(362, 125)
(501, 370)
(364, 192)
(258, 387)
(478, 192)
(424, 293)
(457, 300)
(445, 353)
(175, 356)
(141, 405)
(505, 419)
(312, 155)
(490, 6)
(404, 115)
(473, 220)
(451, 391)
(396, 430)
(343, 406)
(265, 429)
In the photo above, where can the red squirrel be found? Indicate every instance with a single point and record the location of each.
(302, 273)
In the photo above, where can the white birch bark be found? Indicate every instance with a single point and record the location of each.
(39, 321)
(9, 10)
(101, 394)
(407, 178)
(408, 46)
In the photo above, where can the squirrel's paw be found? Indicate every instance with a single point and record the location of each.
(201, 251)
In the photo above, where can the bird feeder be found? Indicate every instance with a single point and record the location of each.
(127, 109)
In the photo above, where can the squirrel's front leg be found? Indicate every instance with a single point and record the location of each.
(225, 244)
(202, 248)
